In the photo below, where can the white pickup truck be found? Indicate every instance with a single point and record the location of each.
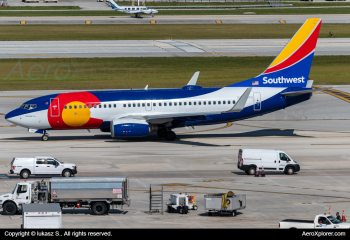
(321, 221)
(26, 166)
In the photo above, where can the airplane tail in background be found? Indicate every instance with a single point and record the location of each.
(113, 4)
(292, 66)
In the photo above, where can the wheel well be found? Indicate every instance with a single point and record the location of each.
(26, 170)
(66, 169)
(9, 201)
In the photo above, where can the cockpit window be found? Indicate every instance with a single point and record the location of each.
(28, 106)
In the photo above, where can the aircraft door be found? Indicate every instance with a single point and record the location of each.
(148, 106)
(54, 107)
(257, 101)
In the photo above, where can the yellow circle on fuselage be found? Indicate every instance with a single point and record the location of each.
(75, 114)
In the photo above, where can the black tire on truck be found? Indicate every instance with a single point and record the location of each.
(252, 170)
(99, 208)
(9, 208)
(66, 173)
(25, 174)
(290, 171)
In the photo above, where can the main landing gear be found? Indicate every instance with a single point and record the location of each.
(168, 135)
(138, 15)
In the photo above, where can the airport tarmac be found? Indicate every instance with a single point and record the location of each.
(203, 160)
(178, 19)
(162, 48)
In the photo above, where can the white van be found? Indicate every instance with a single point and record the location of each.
(271, 160)
(41, 165)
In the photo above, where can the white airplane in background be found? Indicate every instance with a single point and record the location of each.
(137, 10)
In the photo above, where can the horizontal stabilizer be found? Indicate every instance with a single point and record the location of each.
(296, 93)
(194, 78)
(239, 106)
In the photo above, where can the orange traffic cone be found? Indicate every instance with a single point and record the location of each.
(343, 217)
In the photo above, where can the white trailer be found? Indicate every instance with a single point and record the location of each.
(48, 216)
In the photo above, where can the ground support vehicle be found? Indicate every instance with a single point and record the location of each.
(214, 203)
(41, 216)
(321, 221)
(26, 166)
(99, 193)
(249, 160)
(181, 203)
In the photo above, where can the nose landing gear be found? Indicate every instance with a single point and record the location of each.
(45, 137)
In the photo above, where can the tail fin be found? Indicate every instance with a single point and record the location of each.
(291, 67)
(113, 4)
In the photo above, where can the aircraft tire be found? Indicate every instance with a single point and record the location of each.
(170, 136)
(44, 137)
(162, 132)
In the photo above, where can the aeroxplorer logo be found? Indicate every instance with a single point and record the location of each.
(283, 80)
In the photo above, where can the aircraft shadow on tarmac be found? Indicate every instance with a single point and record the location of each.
(180, 140)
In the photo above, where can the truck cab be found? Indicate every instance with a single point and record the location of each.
(21, 194)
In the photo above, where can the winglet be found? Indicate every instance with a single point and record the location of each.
(194, 78)
(239, 106)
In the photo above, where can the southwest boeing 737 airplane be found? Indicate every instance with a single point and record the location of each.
(137, 10)
(137, 113)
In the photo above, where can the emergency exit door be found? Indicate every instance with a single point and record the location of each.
(54, 107)
(257, 101)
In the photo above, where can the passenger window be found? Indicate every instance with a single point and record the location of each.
(154, 104)
(170, 104)
(134, 105)
(194, 103)
(129, 105)
(209, 103)
(79, 106)
(228, 102)
(223, 102)
(214, 102)
(40, 161)
(148, 104)
(180, 104)
(204, 103)
(165, 104)
(90, 106)
(139, 105)
(219, 102)
(65, 107)
(143, 105)
(199, 103)
(124, 105)
(104, 105)
(185, 103)
(160, 104)
(175, 104)
(110, 105)
(99, 106)
(233, 102)
(114, 105)
(189, 103)
(75, 106)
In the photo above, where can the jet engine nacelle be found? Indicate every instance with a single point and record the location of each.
(124, 128)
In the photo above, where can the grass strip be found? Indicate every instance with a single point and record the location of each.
(170, 72)
(258, 11)
(161, 31)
